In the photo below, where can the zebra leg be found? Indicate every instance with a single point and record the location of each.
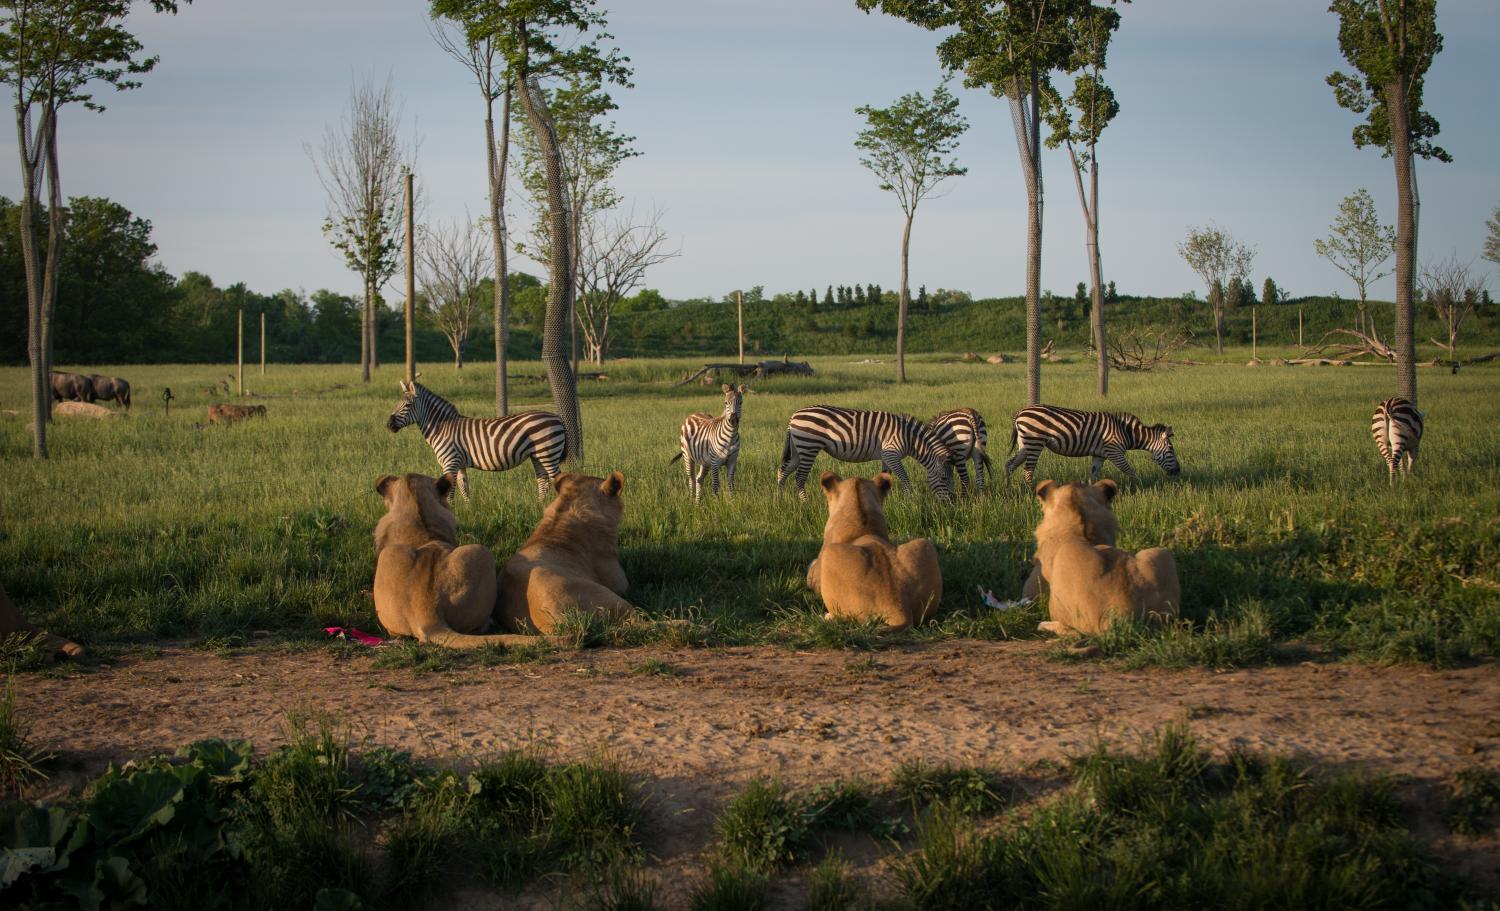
(962, 472)
(891, 461)
(463, 485)
(1120, 462)
(542, 481)
(1030, 468)
(1096, 463)
(979, 474)
(1015, 461)
(729, 468)
(699, 472)
(804, 468)
(713, 475)
(687, 466)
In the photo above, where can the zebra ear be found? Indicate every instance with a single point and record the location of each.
(1044, 490)
(613, 484)
(726, 387)
(383, 484)
(1107, 487)
(883, 483)
(829, 481)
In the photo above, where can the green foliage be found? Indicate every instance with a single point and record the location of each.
(766, 825)
(831, 887)
(1359, 243)
(1492, 237)
(908, 145)
(21, 758)
(728, 887)
(968, 790)
(1391, 48)
(1474, 801)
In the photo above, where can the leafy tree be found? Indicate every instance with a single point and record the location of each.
(1093, 105)
(1222, 262)
(1110, 296)
(362, 165)
(52, 54)
(859, 295)
(1492, 239)
(1010, 47)
(1270, 295)
(548, 39)
(1391, 44)
(922, 300)
(828, 297)
(1358, 245)
(812, 297)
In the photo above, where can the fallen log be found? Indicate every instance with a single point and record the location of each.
(759, 370)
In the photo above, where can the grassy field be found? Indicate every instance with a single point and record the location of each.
(1282, 522)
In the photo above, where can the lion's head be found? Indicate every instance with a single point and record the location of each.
(1078, 509)
(415, 501)
(856, 506)
(583, 500)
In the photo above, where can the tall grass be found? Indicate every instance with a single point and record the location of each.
(1282, 523)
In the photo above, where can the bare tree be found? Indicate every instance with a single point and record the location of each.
(481, 56)
(361, 165)
(1452, 289)
(454, 263)
(1222, 262)
(614, 257)
(1359, 244)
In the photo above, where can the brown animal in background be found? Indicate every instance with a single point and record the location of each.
(572, 561)
(1091, 584)
(111, 389)
(16, 628)
(426, 586)
(72, 387)
(859, 573)
(228, 414)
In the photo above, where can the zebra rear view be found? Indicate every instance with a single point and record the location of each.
(962, 430)
(488, 444)
(1098, 434)
(1397, 429)
(856, 435)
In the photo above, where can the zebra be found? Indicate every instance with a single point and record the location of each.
(489, 444)
(1099, 434)
(709, 442)
(855, 435)
(1397, 429)
(962, 430)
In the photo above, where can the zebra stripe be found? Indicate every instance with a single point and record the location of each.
(1098, 434)
(962, 430)
(488, 444)
(708, 443)
(1397, 429)
(855, 435)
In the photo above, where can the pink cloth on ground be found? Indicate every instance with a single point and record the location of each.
(353, 635)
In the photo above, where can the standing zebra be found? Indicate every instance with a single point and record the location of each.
(708, 442)
(489, 444)
(1397, 429)
(855, 435)
(1087, 433)
(962, 430)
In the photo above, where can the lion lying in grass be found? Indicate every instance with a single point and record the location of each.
(1092, 582)
(16, 629)
(859, 573)
(571, 562)
(426, 586)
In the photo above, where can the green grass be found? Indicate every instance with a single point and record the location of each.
(1474, 801)
(21, 758)
(766, 825)
(1282, 524)
(727, 887)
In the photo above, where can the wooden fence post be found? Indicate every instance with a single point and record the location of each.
(239, 369)
(1254, 335)
(262, 343)
(411, 285)
(1299, 326)
(739, 305)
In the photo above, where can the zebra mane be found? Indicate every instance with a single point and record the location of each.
(437, 402)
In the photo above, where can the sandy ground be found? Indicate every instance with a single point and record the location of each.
(734, 714)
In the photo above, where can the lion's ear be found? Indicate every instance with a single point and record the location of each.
(444, 484)
(883, 483)
(1044, 490)
(829, 481)
(1108, 488)
(744, 389)
(559, 481)
(383, 484)
(613, 484)
(725, 387)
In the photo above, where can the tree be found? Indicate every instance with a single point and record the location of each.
(1010, 47)
(1270, 295)
(1222, 262)
(616, 254)
(541, 40)
(1492, 240)
(828, 297)
(52, 52)
(1452, 290)
(362, 165)
(1391, 44)
(482, 59)
(453, 265)
(1095, 106)
(1358, 245)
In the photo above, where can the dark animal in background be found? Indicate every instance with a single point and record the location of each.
(228, 414)
(111, 389)
(72, 387)
(1397, 429)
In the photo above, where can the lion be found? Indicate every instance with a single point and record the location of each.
(1091, 582)
(16, 628)
(572, 561)
(859, 573)
(426, 586)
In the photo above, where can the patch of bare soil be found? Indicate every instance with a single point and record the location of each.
(731, 715)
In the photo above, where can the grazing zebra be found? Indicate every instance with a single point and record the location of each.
(1087, 433)
(708, 442)
(489, 444)
(1397, 429)
(962, 431)
(854, 435)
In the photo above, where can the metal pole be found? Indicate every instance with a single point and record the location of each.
(1254, 335)
(739, 305)
(239, 370)
(411, 284)
(262, 343)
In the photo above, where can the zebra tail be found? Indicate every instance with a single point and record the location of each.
(786, 448)
(1013, 433)
(675, 457)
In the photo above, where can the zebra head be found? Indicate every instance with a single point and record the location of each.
(406, 412)
(936, 458)
(1159, 444)
(734, 399)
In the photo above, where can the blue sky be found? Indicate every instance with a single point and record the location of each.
(744, 115)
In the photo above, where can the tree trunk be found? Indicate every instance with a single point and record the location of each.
(497, 235)
(374, 332)
(903, 301)
(54, 248)
(364, 335)
(1404, 343)
(239, 355)
(41, 381)
(1027, 135)
(739, 308)
(263, 343)
(1096, 273)
(556, 328)
(1219, 328)
(411, 277)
